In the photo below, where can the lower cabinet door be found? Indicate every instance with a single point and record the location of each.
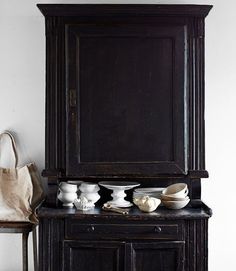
(93, 256)
(156, 256)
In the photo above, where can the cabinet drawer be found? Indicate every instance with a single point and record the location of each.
(74, 229)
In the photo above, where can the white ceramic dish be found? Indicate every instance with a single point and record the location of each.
(154, 192)
(83, 204)
(119, 185)
(178, 190)
(149, 189)
(118, 193)
(175, 204)
(147, 204)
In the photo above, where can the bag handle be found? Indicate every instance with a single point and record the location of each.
(13, 144)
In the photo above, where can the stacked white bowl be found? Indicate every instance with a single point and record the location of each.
(175, 196)
(154, 192)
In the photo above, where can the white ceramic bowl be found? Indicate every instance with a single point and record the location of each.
(175, 204)
(171, 198)
(178, 190)
(149, 206)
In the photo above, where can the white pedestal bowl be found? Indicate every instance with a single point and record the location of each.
(118, 193)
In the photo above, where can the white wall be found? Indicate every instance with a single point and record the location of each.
(22, 97)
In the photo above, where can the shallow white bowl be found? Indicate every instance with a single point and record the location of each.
(154, 192)
(119, 185)
(149, 189)
(175, 204)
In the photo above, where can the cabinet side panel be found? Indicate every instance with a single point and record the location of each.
(51, 233)
(197, 245)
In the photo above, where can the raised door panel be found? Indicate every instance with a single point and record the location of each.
(93, 256)
(162, 256)
(126, 100)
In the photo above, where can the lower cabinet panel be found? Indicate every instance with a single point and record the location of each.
(93, 256)
(157, 256)
(121, 256)
(60, 250)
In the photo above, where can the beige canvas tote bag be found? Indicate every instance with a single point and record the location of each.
(21, 190)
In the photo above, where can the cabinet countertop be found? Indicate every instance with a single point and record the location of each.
(195, 210)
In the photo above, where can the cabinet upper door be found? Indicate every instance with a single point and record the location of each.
(127, 99)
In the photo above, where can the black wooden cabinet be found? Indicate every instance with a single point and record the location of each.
(124, 100)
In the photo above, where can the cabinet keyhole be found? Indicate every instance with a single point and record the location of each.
(157, 229)
(90, 229)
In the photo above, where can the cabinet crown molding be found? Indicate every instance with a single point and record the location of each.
(125, 10)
